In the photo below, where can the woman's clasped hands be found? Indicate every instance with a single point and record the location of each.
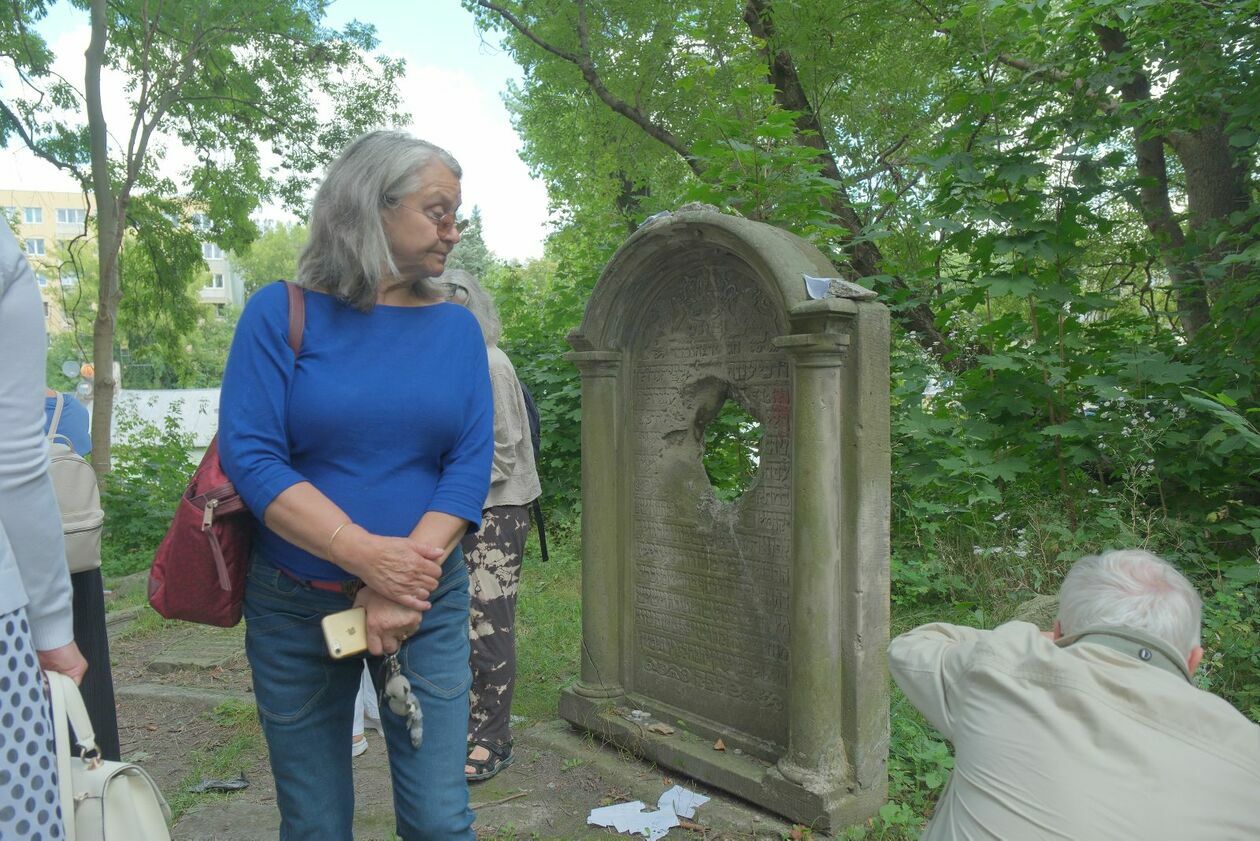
(389, 624)
(399, 575)
(399, 568)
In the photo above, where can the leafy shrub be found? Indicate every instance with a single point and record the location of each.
(151, 466)
(1231, 640)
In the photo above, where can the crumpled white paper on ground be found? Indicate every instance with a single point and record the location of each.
(631, 818)
(681, 801)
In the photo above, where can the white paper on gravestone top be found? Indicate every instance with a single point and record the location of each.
(817, 287)
(682, 802)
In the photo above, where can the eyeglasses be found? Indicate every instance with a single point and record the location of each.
(455, 292)
(444, 223)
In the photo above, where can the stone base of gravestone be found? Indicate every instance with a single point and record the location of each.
(689, 749)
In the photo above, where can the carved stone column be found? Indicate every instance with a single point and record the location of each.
(815, 722)
(602, 543)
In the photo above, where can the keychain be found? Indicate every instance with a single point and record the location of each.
(402, 701)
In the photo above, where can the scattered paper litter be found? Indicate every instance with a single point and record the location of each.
(682, 802)
(632, 818)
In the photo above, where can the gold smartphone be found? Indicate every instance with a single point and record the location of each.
(346, 633)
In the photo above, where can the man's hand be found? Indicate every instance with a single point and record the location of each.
(67, 659)
(398, 568)
(388, 622)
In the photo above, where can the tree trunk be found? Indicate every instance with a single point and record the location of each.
(1216, 187)
(1154, 204)
(108, 241)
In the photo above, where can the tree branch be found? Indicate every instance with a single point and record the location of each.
(865, 255)
(12, 121)
(584, 64)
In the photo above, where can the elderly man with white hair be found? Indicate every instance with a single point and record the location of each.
(1093, 730)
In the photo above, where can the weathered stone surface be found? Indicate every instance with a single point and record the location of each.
(203, 648)
(1040, 610)
(762, 621)
(189, 696)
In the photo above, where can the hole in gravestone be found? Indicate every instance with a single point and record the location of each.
(732, 451)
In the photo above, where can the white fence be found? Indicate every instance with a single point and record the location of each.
(196, 408)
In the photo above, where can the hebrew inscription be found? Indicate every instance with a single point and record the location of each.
(710, 578)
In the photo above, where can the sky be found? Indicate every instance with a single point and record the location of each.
(452, 90)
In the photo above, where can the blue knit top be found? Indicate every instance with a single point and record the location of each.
(388, 413)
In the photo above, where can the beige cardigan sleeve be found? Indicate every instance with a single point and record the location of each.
(33, 569)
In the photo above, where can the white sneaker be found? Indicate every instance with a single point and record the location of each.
(358, 745)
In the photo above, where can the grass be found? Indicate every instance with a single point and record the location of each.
(548, 623)
(146, 622)
(240, 744)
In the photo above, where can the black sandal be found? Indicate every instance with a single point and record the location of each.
(483, 769)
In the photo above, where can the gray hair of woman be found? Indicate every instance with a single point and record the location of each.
(461, 287)
(348, 254)
(1131, 588)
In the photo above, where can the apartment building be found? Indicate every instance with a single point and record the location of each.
(47, 222)
(226, 286)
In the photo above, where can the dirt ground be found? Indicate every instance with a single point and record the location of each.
(186, 724)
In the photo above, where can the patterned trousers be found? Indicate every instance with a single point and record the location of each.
(494, 571)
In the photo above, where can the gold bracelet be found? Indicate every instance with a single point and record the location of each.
(334, 537)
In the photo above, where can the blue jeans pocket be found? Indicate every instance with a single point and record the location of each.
(436, 659)
(284, 644)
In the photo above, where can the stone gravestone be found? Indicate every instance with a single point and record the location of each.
(763, 621)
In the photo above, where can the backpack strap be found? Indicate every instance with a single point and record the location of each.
(297, 318)
(56, 418)
(536, 507)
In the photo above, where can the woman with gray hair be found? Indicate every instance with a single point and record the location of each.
(494, 554)
(364, 460)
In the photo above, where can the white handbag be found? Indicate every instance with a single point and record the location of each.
(100, 800)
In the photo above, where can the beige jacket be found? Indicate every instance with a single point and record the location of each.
(513, 475)
(1083, 742)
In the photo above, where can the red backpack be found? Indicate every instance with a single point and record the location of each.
(198, 572)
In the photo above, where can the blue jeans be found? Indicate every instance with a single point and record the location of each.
(306, 703)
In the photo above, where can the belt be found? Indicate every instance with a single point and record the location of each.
(348, 588)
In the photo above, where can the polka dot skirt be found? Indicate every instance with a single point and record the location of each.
(29, 809)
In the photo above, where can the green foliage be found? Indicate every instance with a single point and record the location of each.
(539, 303)
(732, 446)
(988, 150)
(64, 347)
(272, 256)
(151, 470)
(195, 363)
(1231, 640)
(471, 254)
(165, 337)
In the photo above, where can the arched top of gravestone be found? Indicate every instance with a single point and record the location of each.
(780, 260)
